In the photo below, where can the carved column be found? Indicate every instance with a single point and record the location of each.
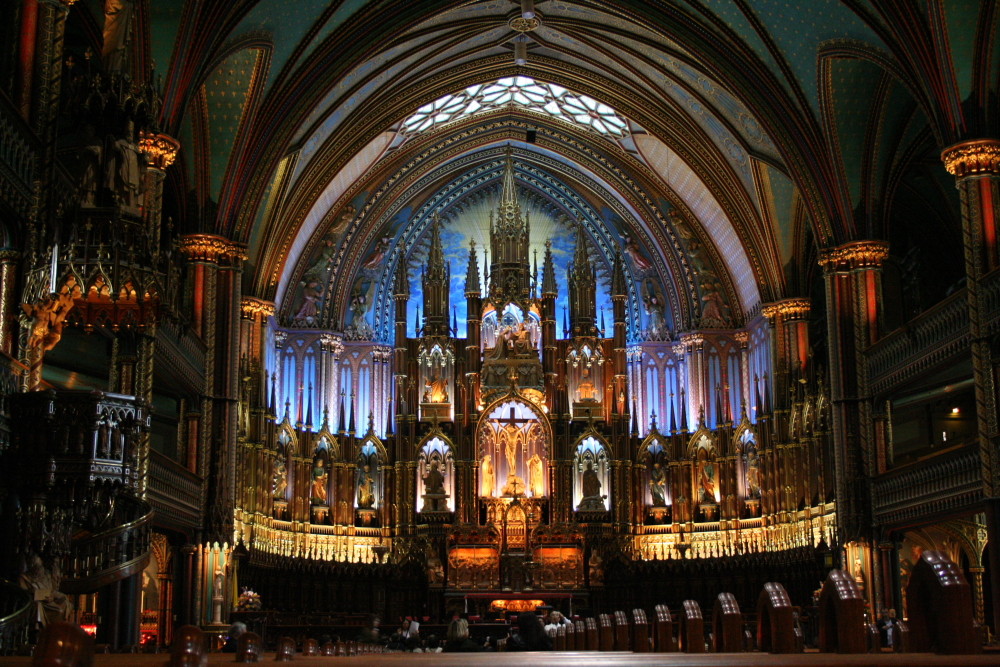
(215, 269)
(852, 274)
(8, 300)
(789, 321)
(160, 151)
(976, 168)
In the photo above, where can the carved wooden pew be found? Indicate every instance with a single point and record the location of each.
(188, 649)
(64, 644)
(570, 636)
(248, 647)
(775, 625)
(692, 628)
(939, 605)
(581, 635)
(559, 638)
(606, 633)
(640, 632)
(663, 630)
(310, 647)
(622, 631)
(285, 651)
(727, 624)
(593, 636)
(841, 615)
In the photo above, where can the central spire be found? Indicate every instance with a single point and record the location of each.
(510, 271)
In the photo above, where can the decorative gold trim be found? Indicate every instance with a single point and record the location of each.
(160, 150)
(252, 306)
(209, 248)
(521, 24)
(856, 255)
(787, 308)
(972, 158)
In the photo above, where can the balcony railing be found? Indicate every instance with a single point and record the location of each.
(112, 554)
(17, 615)
(174, 492)
(948, 481)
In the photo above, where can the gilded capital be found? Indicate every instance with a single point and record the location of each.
(856, 255)
(209, 248)
(973, 158)
(693, 341)
(742, 337)
(160, 150)
(251, 307)
(789, 309)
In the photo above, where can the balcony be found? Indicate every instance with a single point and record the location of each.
(948, 481)
(174, 492)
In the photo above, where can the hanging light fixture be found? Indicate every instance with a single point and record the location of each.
(527, 9)
(520, 50)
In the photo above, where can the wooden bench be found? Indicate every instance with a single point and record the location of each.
(188, 649)
(571, 640)
(692, 628)
(622, 632)
(285, 651)
(606, 632)
(640, 632)
(939, 605)
(310, 647)
(727, 624)
(593, 636)
(775, 625)
(248, 647)
(841, 615)
(64, 644)
(663, 630)
(559, 638)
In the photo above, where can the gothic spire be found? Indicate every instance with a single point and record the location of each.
(437, 285)
(402, 283)
(472, 272)
(618, 286)
(549, 271)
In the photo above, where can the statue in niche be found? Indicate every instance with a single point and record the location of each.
(658, 485)
(488, 476)
(122, 175)
(753, 475)
(591, 486)
(319, 477)
(279, 479)
(366, 489)
(706, 480)
(89, 158)
(50, 605)
(536, 476)
(586, 390)
(653, 303)
(117, 22)
(435, 390)
(434, 494)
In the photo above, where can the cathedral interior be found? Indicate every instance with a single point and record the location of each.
(315, 309)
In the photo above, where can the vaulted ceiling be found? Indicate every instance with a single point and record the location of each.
(757, 131)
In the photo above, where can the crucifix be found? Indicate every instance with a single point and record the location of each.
(512, 438)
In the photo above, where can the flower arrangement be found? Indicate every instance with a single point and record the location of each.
(248, 601)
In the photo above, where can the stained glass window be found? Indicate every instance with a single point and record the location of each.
(522, 91)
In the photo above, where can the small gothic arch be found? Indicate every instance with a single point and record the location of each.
(703, 454)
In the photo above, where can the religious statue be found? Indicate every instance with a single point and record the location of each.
(536, 476)
(487, 476)
(586, 390)
(320, 477)
(435, 390)
(753, 476)
(50, 605)
(658, 485)
(366, 489)
(653, 303)
(509, 438)
(311, 293)
(122, 175)
(89, 158)
(434, 494)
(641, 264)
(279, 479)
(117, 25)
(706, 480)
(218, 584)
(375, 261)
(712, 313)
(592, 499)
(49, 316)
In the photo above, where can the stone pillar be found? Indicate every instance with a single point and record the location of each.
(852, 274)
(8, 300)
(789, 321)
(160, 151)
(976, 168)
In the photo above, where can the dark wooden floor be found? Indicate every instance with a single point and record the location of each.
(605, 659)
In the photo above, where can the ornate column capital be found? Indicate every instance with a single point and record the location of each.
(980, 157)
(854, 255)
(789, 309)
(693, 341)
(160, 150)
(251, 307)
(742, 338)
(210, 248)
(331, 343)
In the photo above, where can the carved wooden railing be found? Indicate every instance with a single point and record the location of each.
(927, 340)
(948, 481)
(18, 148)
(112, 554)
(17, 615)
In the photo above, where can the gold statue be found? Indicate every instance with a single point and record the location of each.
(366, 489)
(536, 476)
(488, 476)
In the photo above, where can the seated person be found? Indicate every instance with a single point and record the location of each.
(555, 620)
(458, 638)
(370, 633)
(235, 630)
(530, 635)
